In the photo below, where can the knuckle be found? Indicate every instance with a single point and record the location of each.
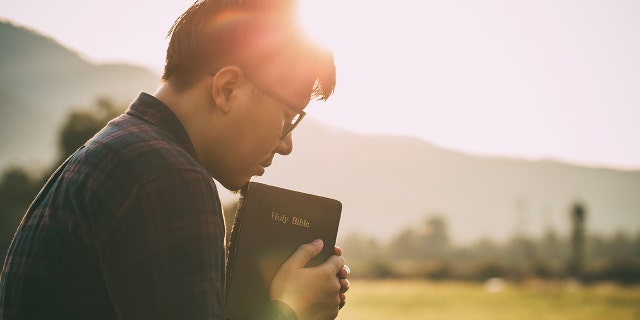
(338, 262)
(335, 286)
(306, 247)
(307, 250)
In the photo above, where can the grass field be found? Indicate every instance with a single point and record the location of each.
(405, 299)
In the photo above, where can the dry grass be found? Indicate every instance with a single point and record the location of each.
(405, 299)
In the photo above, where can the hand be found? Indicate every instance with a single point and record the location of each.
(343, 274)
(313, 293)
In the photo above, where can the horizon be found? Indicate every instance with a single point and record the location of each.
(482, 80)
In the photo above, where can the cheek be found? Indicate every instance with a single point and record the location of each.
(261, 136)
(252, 139)
(240, 161)
(255, 147)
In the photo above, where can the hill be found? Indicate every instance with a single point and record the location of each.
(386, 183)
(389, 183)
(41, 81)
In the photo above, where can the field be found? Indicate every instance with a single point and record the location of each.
(409, 300)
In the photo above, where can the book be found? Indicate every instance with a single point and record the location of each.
(270, 224)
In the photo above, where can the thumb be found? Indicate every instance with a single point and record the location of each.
(304, 253)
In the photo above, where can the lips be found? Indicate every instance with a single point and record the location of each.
(266, 163)
(262, 166)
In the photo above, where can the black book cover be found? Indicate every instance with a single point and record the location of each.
(270, 224)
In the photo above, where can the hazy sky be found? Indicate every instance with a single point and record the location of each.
(536, 79)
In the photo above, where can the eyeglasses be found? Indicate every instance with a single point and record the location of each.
(286, 130)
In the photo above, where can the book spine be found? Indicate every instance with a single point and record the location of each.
(233, 240)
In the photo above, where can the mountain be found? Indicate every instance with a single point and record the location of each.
(41, 81)
(386, 183)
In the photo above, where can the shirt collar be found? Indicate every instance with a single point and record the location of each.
(154, 111)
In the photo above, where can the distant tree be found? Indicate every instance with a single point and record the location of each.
(620, 246)
(430, 241)
(484, 249)
(405, 245)
(576, 261)
(551, 247)
(552, 253)
(17, 190)
(489, 269)
(367, 256)
(361, 247)
(435, 238)
(636, 246)
(520, 254)
(83, 123)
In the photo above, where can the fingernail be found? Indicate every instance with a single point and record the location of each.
(317, 241)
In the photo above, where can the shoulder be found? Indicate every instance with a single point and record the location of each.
(138, 149)
(132, 166)
(126, 155)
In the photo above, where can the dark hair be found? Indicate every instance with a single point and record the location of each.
(250, 33)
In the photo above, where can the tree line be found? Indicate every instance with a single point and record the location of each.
(427, 251)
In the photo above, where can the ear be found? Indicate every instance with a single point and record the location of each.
(225, 84)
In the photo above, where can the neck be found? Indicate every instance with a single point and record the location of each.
(170, 97)
(190, 107)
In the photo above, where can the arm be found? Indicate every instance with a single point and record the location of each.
(164, 257)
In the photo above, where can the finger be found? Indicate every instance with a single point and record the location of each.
(304, 253)
(344, 272)
(343, 300)
(337, 251)
(344, 285)
(335, 263)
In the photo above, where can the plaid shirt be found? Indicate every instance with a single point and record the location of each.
(129, 227)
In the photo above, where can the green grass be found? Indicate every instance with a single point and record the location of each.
(406, 299)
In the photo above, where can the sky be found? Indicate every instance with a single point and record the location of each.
(538, 79)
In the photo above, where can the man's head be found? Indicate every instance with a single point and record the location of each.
(250, 33)
(253, 71)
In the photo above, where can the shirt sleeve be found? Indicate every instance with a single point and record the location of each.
(164, 258)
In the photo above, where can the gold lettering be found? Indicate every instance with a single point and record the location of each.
(300, 222)
(279, 217)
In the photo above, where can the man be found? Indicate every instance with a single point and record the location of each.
(130, 226)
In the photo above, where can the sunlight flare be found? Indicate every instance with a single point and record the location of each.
(319, 20)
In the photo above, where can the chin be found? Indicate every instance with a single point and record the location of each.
(235, 186)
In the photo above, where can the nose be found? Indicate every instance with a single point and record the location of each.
(285, 146)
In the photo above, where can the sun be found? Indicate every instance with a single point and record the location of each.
(318, 19)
